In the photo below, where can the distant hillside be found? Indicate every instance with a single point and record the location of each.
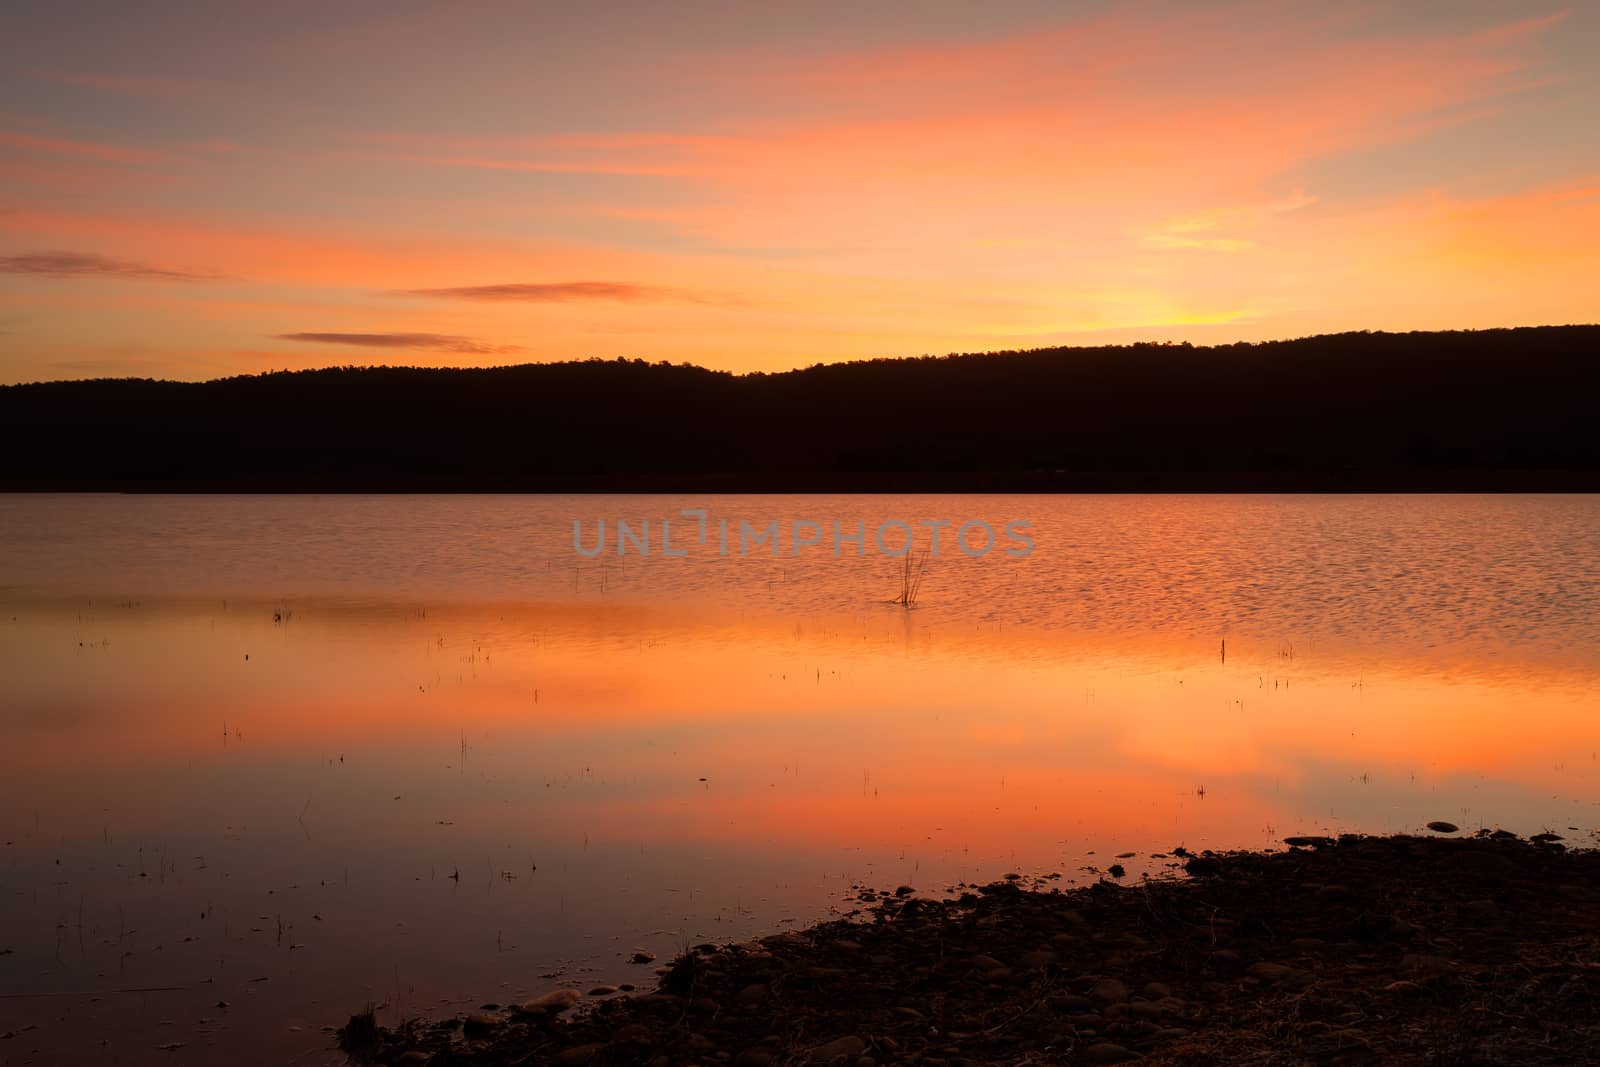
(1491, 409)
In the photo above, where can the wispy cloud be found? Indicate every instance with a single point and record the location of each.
(65, 146)
(156, 88)
(567, 292)
(433, 342)
(89, 265)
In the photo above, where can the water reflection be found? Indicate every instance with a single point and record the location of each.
(295, 805)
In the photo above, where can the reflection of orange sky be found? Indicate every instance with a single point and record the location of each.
(1223, 173)
(800, 728)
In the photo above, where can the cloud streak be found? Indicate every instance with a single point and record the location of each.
(65, 146)
(89, 265)
(567, 292)
(432, 342)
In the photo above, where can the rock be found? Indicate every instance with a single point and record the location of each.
(1117, 870)
(1269, 972)
(1110, 991)
(1306, 841)
(753, 1057)
(1157, 990)
(481, 1024)
(849, 1047)
(1442, 827)
(1038, 959)
(553, 1002)
(986, 963)
(752, 995)
(602, 990)
(641, 956)
(904, 891)
(1106, 1052)
(577, 1055)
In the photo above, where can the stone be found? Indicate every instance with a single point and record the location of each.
(1109, 990)
(553, 1002)
(1106, 1052)
(848, 1047)
(1269, 972)
(752, 995)
(577, 1055)
(1442, 827)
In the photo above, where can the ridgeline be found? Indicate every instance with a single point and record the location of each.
(1511, 409)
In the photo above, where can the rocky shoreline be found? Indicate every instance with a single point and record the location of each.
(1383, 950)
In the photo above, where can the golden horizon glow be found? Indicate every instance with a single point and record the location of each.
(764, 190)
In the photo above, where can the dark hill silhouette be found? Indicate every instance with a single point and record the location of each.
(1490, 409)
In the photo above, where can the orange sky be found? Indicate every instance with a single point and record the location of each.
(769, 185)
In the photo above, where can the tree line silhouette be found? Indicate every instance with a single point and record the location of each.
(1489, 409)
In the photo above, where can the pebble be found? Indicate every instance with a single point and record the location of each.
(557, 1000)
(1109, 990)
(850, 1046)
(1442, 827)
(1106, 1052)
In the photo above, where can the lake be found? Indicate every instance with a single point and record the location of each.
(267, 760)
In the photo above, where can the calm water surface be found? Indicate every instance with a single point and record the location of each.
(297, 755)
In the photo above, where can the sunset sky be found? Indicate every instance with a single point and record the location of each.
(193, 190)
